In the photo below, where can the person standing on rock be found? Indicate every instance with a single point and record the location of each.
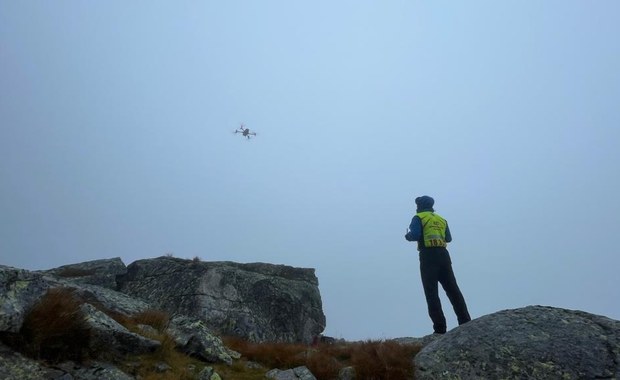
(432, 234)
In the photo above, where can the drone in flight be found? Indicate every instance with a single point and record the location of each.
(245, 132)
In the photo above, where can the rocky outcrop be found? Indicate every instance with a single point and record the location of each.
(534, 342)
(21, 289)
(259, 302)
(97, 272)
(21, 292)
(264, 302)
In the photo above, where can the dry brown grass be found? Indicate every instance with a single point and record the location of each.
(239, 370)
(157, 319)
(54, 328)
(145, 366)
(274, 355)
(372, 360)
(383, 360)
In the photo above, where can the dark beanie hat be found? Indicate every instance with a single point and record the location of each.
(424, 203)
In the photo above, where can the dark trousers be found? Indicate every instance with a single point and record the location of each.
(436, 268)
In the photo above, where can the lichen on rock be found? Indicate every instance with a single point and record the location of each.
(536, 342)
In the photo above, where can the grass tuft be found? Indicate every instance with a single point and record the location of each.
(54, 328)
(273, 355)
(383, 360)
(157, 319)
(372, 360)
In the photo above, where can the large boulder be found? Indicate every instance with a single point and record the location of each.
(96, 272)
(19, 290)
(534, 342)
(259, 302)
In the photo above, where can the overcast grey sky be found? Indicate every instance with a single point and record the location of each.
(116, 123)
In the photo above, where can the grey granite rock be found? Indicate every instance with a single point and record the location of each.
(259, 302)
(14, 366)
(346, 373)
(194, 338)
(534, 342)
(112, 337)
(208, 373)
(298, 373)
(19, 291)
(95, 371)
(96, 272)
